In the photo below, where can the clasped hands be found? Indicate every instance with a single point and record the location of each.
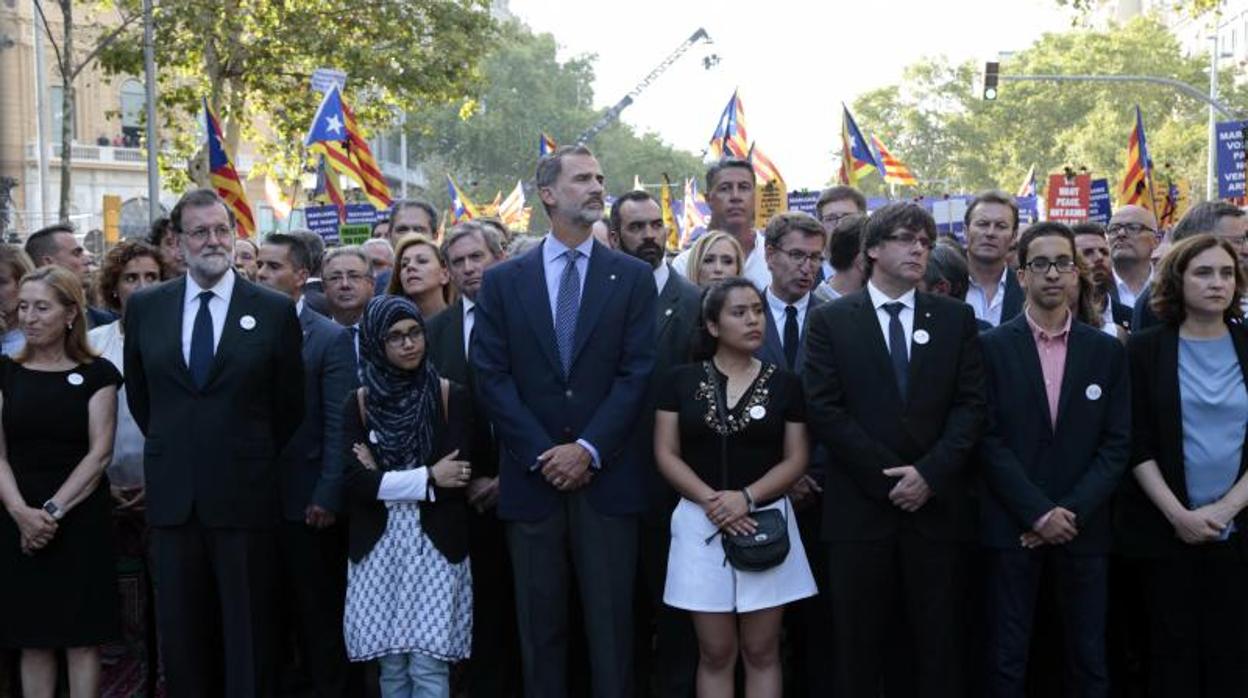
(729, 511)
(1057, 527)
(911, 491)
(566, 466)
(36, 526)
(1203, 525)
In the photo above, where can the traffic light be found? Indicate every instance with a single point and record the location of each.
(992, 70)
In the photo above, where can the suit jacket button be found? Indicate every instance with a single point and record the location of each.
(567, 430)
(567, 393)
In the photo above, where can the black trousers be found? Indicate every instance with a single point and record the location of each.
(214, 593)
(314, 584)
(866, 581)
(808, 622)
(494, 668)
(603, 550)
(1198, 622)
(1013, 586)
(666, 645)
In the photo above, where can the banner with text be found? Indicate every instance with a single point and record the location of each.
(1068, 199)
(1100, 206)
(1231, 159)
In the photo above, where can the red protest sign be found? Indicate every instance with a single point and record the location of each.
(1068, 200)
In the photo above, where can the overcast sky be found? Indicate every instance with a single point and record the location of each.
(794, 61)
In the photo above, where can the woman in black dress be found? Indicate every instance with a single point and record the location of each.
(58, 407)
(763, 434)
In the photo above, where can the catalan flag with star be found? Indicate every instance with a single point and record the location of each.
(731, 140)
(335, 134)
(1137, 184)
(545, 145)
(224, 177)
(894, 170)
(462, 208)
(857, 160)
(326, 189)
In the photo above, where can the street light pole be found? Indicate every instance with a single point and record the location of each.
(1211, 174)
(149, 70)
(42, 118)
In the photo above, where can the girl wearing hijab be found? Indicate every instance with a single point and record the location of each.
(409, 589)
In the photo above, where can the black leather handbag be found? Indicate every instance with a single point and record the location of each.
(768, 545)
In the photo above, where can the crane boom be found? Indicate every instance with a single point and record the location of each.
(610, 115)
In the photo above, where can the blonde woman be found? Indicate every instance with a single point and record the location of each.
(714, 257)
(420, 275)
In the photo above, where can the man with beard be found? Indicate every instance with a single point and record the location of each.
(1132, 234)
(666, 646)
(215, 384)
(563, 351)
(730, 194)
(1093, 247)
(991, 225)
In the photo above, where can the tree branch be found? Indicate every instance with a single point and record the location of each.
(56, 48)
(104, 43)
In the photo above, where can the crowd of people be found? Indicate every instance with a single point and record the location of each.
(842, 455)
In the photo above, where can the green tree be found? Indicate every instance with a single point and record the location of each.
(253, 60)
(936, 122)
(490, 141)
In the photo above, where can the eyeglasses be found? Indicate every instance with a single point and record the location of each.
(353, 277)
(394, 340)
(1042, 265)
(797, 257)
(409, 229)
(1120, 229)
(221, 232)
(908, 240)
(834, 218)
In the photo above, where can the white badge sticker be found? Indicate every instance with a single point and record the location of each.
(922, 337)
(668, 311)
(247, 322)
(372, 436)
(74, 378)
(1093, 392)
(758, 412)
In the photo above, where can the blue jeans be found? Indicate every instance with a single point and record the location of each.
(414, 675)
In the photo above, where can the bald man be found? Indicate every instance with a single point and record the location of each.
(1132, 233)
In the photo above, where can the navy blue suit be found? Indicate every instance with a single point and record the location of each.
(534, 407)
(772, 349)
(1030, 467)
(314, 561)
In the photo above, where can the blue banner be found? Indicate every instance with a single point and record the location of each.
(1099, 206)
(804, 201)
(1231, 159)
(323, 220)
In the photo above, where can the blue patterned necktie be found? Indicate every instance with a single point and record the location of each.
(567, 305)
(201, 342)
(897, 347)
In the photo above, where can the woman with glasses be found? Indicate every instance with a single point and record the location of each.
(1183, 511)
(409, 588)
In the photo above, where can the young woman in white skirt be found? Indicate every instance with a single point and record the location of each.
(734, 612)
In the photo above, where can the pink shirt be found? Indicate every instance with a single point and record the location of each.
(1052, 351)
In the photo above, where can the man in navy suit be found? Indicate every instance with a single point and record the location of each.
(214, 384)
(991, 221)
(563, 349)
(1057, 444)
(311, 537)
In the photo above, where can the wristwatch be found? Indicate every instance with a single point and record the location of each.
(54, 510)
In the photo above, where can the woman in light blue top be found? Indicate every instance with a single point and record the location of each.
(1184, 510)
(14, 264)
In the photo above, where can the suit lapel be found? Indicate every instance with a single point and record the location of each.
(1169, 400)
(456, 355)
(773, 348)
(669, 305)
(240, 302)
(923, 320)
(600, 281)
(869, 329)
(1025, 345)
(172, 308)
(1074, 375)
(533, 294)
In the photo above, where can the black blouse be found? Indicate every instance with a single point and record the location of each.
(755, 438)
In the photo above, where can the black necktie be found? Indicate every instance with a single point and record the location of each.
(201, 342)
(897, 347)
(790, 336)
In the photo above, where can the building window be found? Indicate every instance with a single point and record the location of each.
(133, 101)
(56, 104)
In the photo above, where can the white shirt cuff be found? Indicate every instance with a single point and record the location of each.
(593, 453)
(406, 486)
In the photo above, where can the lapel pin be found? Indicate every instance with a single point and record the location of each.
(74, 378)
(247, 322)
(1093, 392)
(613, 277)
(668, 311)
(758, 412)
(927, 314)
(372, 436)
(922, 337)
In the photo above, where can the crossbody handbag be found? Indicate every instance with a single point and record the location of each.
(768, 545)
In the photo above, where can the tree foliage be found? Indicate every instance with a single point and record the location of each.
(490, 141)
(936, 122)
(253, 60)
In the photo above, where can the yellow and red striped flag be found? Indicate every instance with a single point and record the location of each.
(1137, 185)
(335, 134)
(731, 139)
(224, 177)
(894, 170)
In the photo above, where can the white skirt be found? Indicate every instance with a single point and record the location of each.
(699, 578)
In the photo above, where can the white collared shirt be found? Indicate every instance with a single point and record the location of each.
(1125, 295)
(218, 305)
(755, 264)
(878, 299)
(299, 306)
(661, 273)
(989, 312)
(778, 307)
(470, 320)
(554, 263)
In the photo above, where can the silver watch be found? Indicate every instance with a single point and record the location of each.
(54, 510)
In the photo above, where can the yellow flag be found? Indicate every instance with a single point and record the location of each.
(669, 218)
